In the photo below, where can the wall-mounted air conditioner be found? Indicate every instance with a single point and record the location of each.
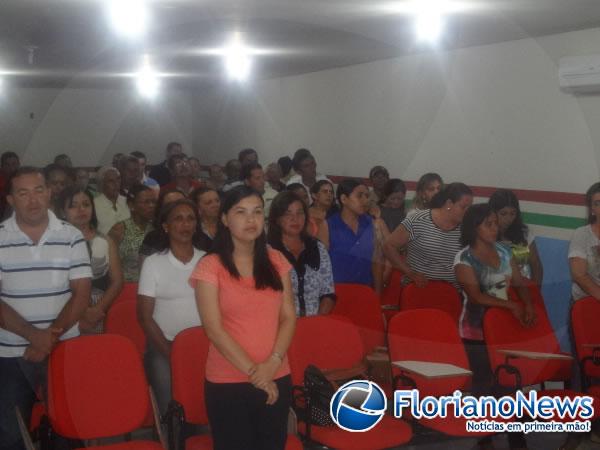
(580, 74)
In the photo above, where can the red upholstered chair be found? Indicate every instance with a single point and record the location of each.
(436, 294)
(503, 331)
(127, 294)
(362, 306)
(188, 362)
(430, 335)
(122, 319)
(330, 342)
(97, 388)
(586, 333)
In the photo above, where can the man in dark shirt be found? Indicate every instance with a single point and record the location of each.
(161, 172)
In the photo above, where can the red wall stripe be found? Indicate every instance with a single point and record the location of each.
(530, 195)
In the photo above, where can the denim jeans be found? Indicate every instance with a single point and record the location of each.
(158, 372)
(19, 382)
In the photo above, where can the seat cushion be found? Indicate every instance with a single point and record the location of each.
(390, 432)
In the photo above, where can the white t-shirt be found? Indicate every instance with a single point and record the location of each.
(585, 245)
(166, 279)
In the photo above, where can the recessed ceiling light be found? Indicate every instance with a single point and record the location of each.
(129, 18)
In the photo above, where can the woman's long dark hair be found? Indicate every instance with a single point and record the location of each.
(453, 192)
(265, 274)
(65, 200)
(279, 207)
(475, 216)
(163, 242)
(517, 231)
(422, 184)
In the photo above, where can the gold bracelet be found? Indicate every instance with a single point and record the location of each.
(278, 356)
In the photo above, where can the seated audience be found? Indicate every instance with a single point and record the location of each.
(166, 302)
(427, 186)
(391, 204)
(153, 241)
(273, 177)
(82, 179)
(143, 177)
(378, 176)
(584, 250)
(208, 205)
(247, 156)
(64, 161)
(354, 238)
(431, 237)
(512, 231)
(77, 208)
(232, 171)
(181, 175)
(216, 177)
(306, 168)
(161, 172)
(129, 234)
(9, 163)
(253, 176)
(312, 276)
(130, 170)
(111, 207)
(195, 168)
(58, 178)
(300, 191)
(245, 299)
(323, 205)
(45, 276)
(285, 162)
(485, 269)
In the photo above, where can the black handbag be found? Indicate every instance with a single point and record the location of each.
(319, 392)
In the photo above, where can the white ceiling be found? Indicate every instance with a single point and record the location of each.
(75, 44)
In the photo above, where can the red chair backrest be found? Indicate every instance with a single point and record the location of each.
(586, 330)
(362, 306)
(428, 335)
(436, 294)
(96, 387)
(328, 342)
(122, 320)
(503, 331)
(188, 363)
(391, 293)
(127, 294)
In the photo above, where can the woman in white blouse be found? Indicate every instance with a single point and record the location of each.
(166, 303)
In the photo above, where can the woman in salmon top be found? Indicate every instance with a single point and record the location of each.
(245, 299)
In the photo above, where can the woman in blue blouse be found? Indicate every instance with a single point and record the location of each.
(312, 278)
(354, 238)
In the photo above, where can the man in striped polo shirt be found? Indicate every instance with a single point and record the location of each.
(45, 287)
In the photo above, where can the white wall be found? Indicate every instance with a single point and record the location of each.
(91, 124)
(490, 115)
